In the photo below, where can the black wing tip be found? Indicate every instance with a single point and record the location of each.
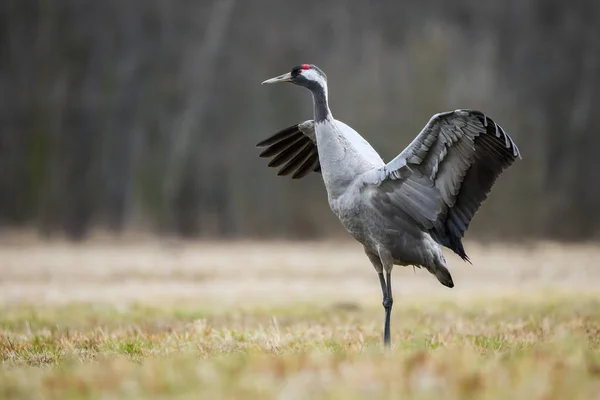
(282, 145)
(460, 251)
(291, 152)
(308, 165)
(279, 136)
(454, 242)
(264, 153)
(297, 161)
(265, 142)
(291, 148)
(494, 129)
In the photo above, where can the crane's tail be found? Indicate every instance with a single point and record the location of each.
(440, 270)
(443, 275)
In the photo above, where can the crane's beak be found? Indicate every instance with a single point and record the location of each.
(287, 77)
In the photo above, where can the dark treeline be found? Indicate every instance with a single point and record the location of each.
(143, 114)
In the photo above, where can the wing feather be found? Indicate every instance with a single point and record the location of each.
(294, 146)
(281, 145)
(308, 166)
(460, 154)
(297, 161)
(289, 153)
(283, 134)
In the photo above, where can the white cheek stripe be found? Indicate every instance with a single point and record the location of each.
(313, 75)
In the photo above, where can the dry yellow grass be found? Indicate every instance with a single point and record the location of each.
(294, 321)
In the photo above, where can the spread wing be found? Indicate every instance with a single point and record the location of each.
(295, 148)
(445, 173)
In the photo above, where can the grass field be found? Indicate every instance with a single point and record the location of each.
(294, 321)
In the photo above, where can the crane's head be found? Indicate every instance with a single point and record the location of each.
(307, 75)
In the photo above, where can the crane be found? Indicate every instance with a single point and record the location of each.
(403, 211)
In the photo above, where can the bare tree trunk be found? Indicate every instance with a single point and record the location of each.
(200, 66)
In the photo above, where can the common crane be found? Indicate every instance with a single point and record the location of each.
(401, 212)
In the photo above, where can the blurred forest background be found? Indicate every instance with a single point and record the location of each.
(143, 114)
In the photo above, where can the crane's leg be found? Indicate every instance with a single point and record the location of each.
(388, 301)
(380, 264)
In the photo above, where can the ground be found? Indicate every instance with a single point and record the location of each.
(159, 319)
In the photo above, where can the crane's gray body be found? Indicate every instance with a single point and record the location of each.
(350, 167)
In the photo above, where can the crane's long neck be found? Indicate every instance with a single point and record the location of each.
(332, 145)
(320, 100)
(343, 153)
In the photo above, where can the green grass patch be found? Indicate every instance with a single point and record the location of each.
(544, 347)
